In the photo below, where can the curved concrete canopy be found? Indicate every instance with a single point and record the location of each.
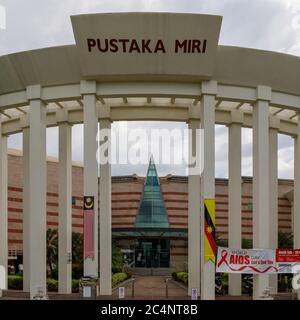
(163, 86)
(236, 66)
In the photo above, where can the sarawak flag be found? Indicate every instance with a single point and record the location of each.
(210, 230)
(88, 227)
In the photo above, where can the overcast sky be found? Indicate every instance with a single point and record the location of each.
(263, 24)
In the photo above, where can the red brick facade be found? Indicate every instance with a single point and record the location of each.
(126, 193)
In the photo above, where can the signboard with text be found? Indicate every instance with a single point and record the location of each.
(258, 261)
(287, 260)
(115, 44)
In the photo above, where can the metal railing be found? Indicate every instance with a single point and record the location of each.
(132, 287)
(125, 283)
(167, 286)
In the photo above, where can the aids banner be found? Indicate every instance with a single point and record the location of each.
(258, 261)
(246, 261)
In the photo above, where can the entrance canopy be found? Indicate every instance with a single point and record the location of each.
(149, 232)
(132, 83)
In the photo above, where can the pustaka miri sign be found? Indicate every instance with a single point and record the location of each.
(165, 45)
(145, 46)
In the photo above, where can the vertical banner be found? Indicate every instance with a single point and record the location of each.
(88, 226)
(209, 230)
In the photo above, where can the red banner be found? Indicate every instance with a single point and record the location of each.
(88, 227)
(288, 255)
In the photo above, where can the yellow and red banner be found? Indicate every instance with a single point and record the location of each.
(209, 231)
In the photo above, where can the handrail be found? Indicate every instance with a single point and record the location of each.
(167, 287)
(132, 287)
(132, 280)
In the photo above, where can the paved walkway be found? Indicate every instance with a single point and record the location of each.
(146, 288)
(153, 287)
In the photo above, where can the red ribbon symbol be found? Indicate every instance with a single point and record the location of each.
(224, 255)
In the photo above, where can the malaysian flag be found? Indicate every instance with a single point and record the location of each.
(88, 232)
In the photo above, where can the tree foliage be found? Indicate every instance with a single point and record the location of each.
(52, 249)
(117, 259)
(285, 240)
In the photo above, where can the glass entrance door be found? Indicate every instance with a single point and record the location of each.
(152, 253)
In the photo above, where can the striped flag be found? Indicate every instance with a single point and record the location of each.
(88, 227)
(210, 230)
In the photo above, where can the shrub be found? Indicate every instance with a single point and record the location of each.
(75, 285)
(52, 285)
(181, 277)
(15, 282)
(54, 274)
(118, 277)
(117, 259)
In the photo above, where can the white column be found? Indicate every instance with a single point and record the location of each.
(26, 209)
(296, 207)
(90, 172)
(296, 202)
(273, 192)
(65, 204)
(261, 213)
(37, 191)
(235, 194)
(105, 207)
(194, 221)
(3, 204)
(209, 90)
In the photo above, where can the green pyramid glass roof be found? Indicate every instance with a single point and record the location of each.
(152, 212)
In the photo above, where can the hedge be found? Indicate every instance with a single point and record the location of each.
(181, 277)
(119, 277)
(52, 285)
(16, 282)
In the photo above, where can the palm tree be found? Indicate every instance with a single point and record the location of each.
(52, 248)
(77, 248)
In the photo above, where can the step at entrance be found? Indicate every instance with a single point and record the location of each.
(152, 271)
